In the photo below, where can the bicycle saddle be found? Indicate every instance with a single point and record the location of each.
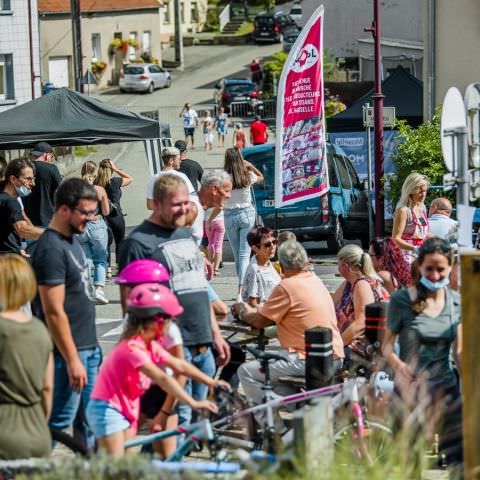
(263, 355)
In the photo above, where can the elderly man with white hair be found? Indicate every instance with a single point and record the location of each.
(299, 302)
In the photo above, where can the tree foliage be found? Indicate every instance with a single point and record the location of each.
(418, 150)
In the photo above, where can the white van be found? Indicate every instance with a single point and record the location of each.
(296, 13)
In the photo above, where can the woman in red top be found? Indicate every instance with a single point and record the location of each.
(410, 222)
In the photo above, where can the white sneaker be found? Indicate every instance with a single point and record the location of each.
(100, 298)
(239, 298)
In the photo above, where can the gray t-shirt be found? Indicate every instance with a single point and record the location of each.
(425, 341)
(259, 281)
(176, 250)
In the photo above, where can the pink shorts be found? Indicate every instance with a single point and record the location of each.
(215, 233)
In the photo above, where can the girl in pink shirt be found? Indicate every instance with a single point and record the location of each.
(132, 366)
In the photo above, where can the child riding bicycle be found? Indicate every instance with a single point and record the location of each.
(132, 366)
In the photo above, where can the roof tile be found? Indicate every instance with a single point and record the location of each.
(63, 6)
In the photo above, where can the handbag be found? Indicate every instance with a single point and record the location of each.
(114, 210)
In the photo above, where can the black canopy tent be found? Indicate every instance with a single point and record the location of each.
(69, 118)
(402, 91)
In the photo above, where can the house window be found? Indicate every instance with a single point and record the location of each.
(194, 12)
(7, 91)
(5, 5)
(131, 48)
(166, 13)
(118, 35)
(96, 46)
(146, 41)
(182, 12)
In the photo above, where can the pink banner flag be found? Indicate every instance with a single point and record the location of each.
(301, 158)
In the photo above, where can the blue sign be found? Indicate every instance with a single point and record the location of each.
(354, 144)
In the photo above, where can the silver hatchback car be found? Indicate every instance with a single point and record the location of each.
(143, 77)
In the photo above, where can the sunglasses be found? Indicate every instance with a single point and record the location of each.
(86, 213)
(269, 244)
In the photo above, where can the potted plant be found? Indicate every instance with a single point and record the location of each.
(98, 67)
(115, 44)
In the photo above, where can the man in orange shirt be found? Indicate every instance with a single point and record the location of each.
(299, 302)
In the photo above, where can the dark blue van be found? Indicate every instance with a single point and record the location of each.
(341, 213)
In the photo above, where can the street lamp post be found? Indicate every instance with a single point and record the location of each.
(378, 122)
(77, 45)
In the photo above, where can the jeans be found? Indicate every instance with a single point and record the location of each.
(238, 222)
(69, 406)
(205, 362)
(95, 244)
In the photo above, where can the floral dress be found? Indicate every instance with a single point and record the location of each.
(345, 310)
(415, 232)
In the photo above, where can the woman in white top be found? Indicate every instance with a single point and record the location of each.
(239, 211)
(261, 277)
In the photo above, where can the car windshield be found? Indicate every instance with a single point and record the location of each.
(244, 88)
(264, 21)
(296, 11)
(133, 70)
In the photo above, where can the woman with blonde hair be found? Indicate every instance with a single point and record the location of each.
(361, 287)
(26, 372)
(113, 185)
(95, 239)
(410, 221)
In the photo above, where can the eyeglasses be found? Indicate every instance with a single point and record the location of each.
(86, 213)
(268, 244)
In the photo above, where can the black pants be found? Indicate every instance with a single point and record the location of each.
(116, 225)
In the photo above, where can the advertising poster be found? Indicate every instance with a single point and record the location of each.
(300, 164)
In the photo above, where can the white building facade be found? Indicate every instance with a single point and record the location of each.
(19, 53)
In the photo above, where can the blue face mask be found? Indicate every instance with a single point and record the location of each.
(434, 286)
(23, 191)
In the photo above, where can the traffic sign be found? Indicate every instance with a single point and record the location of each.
(369, 117)
(472, 104)
(454, 120)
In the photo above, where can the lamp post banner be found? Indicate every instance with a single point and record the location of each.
(301, 159)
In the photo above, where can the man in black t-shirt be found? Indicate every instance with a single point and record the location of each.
(65, 302)
(163, 237)
(192, 169)
(14, 225)
(39, 205)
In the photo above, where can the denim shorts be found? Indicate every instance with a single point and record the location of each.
(212, 294)
(104, 419)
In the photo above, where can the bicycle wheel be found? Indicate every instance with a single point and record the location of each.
(373, 448)
(75, 446)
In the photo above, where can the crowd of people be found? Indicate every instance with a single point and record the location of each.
(172, 350)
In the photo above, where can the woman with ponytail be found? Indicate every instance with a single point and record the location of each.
(361, 287)
(425, 319)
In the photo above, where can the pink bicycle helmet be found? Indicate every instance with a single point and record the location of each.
(144, 270)
(151, 299)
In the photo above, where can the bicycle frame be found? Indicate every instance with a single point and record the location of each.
(194, 433)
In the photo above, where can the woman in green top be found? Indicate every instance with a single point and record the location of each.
(426, 320)
(26, 366)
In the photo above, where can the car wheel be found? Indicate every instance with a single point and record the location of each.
(336, 241)
(151, 88)
(168, 82)
(122, 90)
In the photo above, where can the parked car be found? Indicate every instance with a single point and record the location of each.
(296, 13)
(289, 38)
(143, 77)
(231, 90)
(269, 27)
(340, 213)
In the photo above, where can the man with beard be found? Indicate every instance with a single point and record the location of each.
(65, 303)
(164, 238)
